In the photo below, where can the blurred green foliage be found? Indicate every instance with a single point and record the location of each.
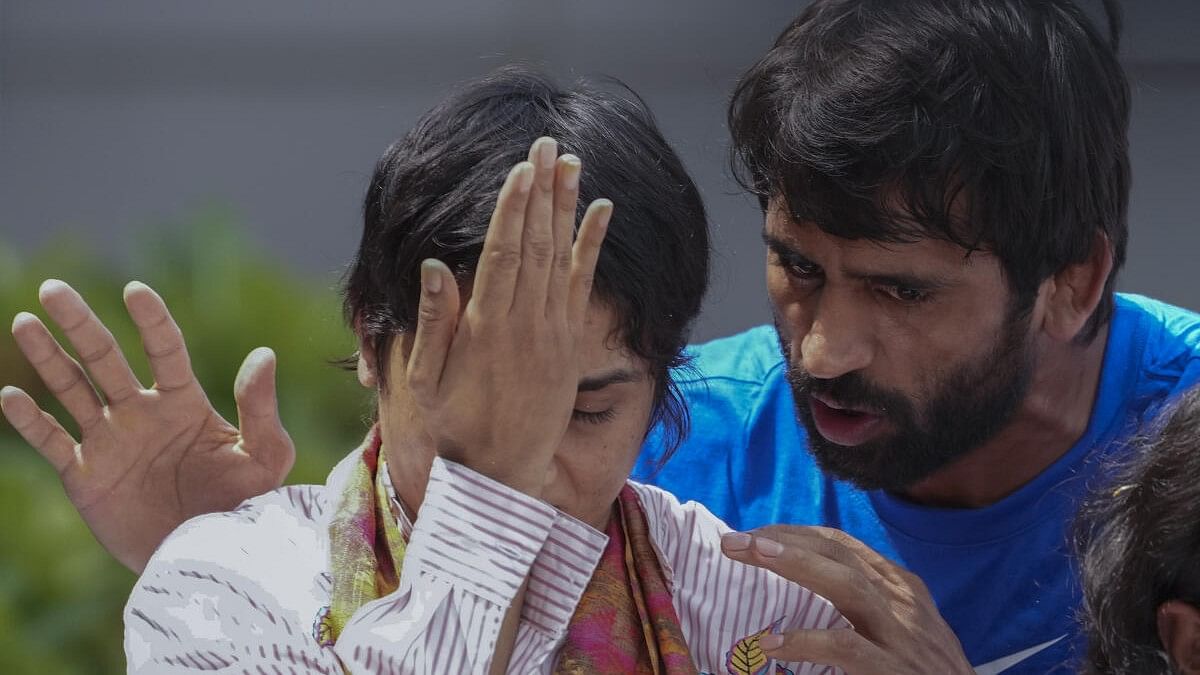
(61, 595)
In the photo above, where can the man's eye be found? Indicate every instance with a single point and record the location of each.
(800, 270)
(592, 417)
(907, 295)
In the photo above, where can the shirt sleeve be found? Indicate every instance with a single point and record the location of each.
(232, 593)
(474, 543)
(724, 604)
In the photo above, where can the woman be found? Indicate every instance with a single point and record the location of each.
(486, 523)
(1140, 555)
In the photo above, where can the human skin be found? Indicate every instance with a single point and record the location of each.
(519, 375)
(843, 312)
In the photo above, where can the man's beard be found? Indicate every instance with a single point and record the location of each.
(966, 407)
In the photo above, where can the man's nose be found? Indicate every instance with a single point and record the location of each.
(839, 340)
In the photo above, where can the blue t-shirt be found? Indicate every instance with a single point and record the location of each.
(1001, 575)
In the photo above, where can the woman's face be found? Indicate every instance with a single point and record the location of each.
(611, 416)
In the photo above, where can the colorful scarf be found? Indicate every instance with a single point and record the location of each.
(624, 623)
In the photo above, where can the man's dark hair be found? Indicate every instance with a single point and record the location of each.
(1139, 546)
(994, 124)
(433, 192)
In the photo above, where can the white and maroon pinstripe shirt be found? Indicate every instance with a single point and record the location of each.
(240, 592)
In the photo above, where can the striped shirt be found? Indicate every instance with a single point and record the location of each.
(242, 592)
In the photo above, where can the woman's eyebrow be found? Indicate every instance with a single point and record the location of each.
(616, 376)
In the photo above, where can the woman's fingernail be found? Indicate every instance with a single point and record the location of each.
(571, 175)
(736, 541)
(768, 547)
(523, 175)
(431, 277)
(770, 641)
(547, 152)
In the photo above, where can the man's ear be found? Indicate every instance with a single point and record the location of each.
(368, 366)
(1074, 293)
(1179, 631)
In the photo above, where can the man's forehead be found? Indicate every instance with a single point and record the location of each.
(809, 240)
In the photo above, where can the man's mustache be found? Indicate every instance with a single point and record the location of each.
(851, 390)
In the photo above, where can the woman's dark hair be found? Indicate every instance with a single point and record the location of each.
(433, 192)
(994, 124)
(1138, 542)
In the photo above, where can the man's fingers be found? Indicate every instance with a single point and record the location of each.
(61, 374)
(500, 261)
(850, 590)
(38, 428)
(537, 236)
(841, 647)
(161, 337)
(830, 543)
(847, 542)
(566, 200)
(584, 255)
(263, 435)
(437, 318)
(93, 342)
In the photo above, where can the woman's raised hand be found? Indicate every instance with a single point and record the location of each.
(147, 458)
(497, 383)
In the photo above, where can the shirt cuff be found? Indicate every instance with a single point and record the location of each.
(561, 573)
(477, 533)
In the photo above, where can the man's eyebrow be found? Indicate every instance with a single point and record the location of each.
(790, 255)
(618, 376)
(783, 249)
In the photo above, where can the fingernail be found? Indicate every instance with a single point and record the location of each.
(431, 277)
(770, 641)
(736, 541)
(524, 176)
(571, 176)
(547, 152)
(604, 203)
(767, 547)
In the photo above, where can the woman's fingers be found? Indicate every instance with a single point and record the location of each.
(437, 318)
(161, 338)
(584, 255)
(263, 435)
(38, 428)
(537, 237)
(61, 374)
(98, 351)
(500, 261)
(566, 200)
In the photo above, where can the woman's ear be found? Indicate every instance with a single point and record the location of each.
(1179, 631)
(1077, 290)
(368, 373)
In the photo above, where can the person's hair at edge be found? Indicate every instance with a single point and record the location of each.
(1138, 541)
(997, 124)
(433, 192)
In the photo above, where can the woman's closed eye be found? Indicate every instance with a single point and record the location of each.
(592, 416)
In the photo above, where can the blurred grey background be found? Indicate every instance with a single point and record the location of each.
(120, 116)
